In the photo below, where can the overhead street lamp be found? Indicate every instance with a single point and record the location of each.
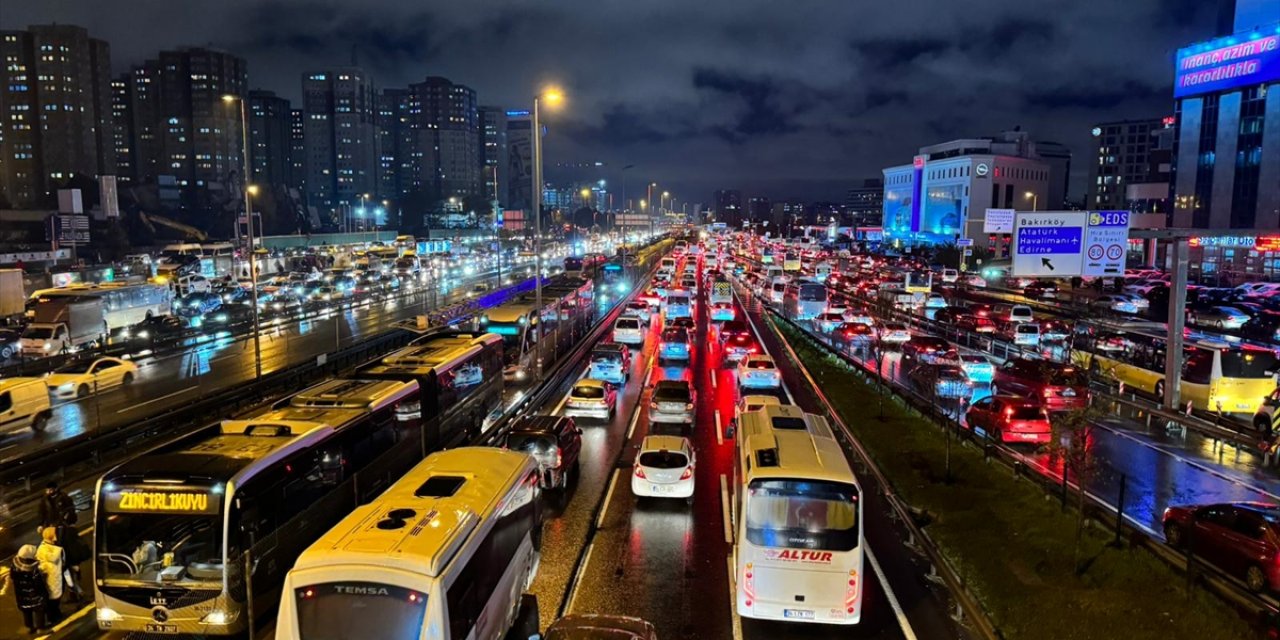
(553, 97)
(250, 190)
(1035, 200)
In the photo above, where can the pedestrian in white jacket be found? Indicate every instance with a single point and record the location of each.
(53, 562)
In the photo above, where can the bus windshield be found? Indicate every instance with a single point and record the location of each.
(335, 611)
(803, 514)
(173, 548)
(1248, 363)
(813, 293)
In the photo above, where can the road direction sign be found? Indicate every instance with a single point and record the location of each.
(964, 242)
(1049, 243)
(1106, 240)
(998, 221)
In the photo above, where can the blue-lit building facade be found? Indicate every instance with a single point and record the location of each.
(944, 193)
(1226, 154)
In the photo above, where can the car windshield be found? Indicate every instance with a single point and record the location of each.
(37, 333)
(75, 367)
(531, 442)
(760, 364)
(1028, 413)
(974, 360)
(614, 357)
(671, 394)
(1248, 363)
(338, 610)
(627, 323)
(663, 459)
(802, 514)
(675, 335)
(588, 392)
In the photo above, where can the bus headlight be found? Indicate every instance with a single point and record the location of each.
(214, 617)
(107, 615)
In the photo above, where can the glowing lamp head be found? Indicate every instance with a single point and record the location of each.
(552, 95)
(228, 98)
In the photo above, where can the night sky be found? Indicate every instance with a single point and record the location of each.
(792, 98)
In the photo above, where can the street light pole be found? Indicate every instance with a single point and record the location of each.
(248, 214)
(551, 96)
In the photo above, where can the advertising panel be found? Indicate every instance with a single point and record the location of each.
(1227, 63)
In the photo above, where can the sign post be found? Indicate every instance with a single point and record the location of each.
(1065, 244)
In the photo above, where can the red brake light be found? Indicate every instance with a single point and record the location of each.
(639, 472)
(688, 473)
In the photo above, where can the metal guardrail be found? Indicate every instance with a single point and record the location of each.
(1264, 608)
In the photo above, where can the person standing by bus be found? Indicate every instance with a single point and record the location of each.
(29, 588)
(53, 563)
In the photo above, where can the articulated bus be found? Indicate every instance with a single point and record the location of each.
(195, 536)
(1216, 376)
(804, 300)
(517, 323)
(446, 552)
(797, 514)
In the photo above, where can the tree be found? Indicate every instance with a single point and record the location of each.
(1073, 437)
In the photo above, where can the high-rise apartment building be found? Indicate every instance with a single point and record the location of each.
(1122, 157)
(340, 133)
(728, 207)
(495, 165)
(55, 110)
(396, 159)
(519, 160)
(444, 122)
(177, 125)
(270, 138)
(297, 149)
(865, 204)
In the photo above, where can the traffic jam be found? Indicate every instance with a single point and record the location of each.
(1006, 358)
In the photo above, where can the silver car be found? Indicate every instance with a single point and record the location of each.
(673, 402)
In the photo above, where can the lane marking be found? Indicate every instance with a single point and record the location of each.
(724, 509)
(66, 622)
(719, 434)
(903, 623)
(764, 318)
(136, 405)
(713, 378)
(733, 600)
(608, 493)
(577, 578)
(88, 530)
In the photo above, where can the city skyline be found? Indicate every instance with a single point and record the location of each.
(807, 111)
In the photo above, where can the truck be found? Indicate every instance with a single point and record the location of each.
(721, 291)
(12, 298)
(64, 327)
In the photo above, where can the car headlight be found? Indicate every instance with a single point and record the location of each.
(106, 614)
(66, 386)
(214, 617)
(48, 346)
(143, 334)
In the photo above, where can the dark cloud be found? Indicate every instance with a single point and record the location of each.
(778, 98)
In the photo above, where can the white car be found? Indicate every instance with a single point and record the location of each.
(974, 280)
(664, 468)
(894, 333)
(79, 379)
(628, 330)
(950, 275)
(592, 398)
(758, 372)
(1118, 303)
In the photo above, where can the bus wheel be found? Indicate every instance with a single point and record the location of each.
(526, 618)
(1263, 426)
(1160, 391)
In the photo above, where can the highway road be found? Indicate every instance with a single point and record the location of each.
(606, 552)
(225, 360)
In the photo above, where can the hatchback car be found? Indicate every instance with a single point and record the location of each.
(611, 362)
(1241, 538)
(941, 380)
(1010, 419)
(758, 371)
(924, 348)
(723, 312)
(580, 626)
(553, 441)
(828, 322)
(664, 468)
(975, 324)
(976, 366)
(1041, 289)
(1059, 386)
(638, 310)
(894, 333)
(672, 402)
(733, 328)
(592, 398)
(1116, 303)
(738, 347)
(628, 330)
(1218, 317)
(674, 344)
(79, 379)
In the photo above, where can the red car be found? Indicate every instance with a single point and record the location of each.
(975, 324)
(1010, 419)
(734, 328)
(855, 332)
(1061, 387)
(739, 346)
(1241, 538)
(924, 348)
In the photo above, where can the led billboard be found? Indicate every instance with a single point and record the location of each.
(1226, 63)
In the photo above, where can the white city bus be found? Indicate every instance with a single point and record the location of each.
(798, 543)
(446, 552)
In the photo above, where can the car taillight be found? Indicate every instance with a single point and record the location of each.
(749, 585)
(1048, 393)
(640, 472)
(851, 593)
(688, 473)
(559, 456)
(653, 406)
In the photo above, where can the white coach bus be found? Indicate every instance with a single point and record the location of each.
(798, 544)
(445, 553)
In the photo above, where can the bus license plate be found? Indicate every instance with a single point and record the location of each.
(162, 628)
(799, 614)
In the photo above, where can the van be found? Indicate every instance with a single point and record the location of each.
(1012, 313)
(1026, 334)
(24, 403)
